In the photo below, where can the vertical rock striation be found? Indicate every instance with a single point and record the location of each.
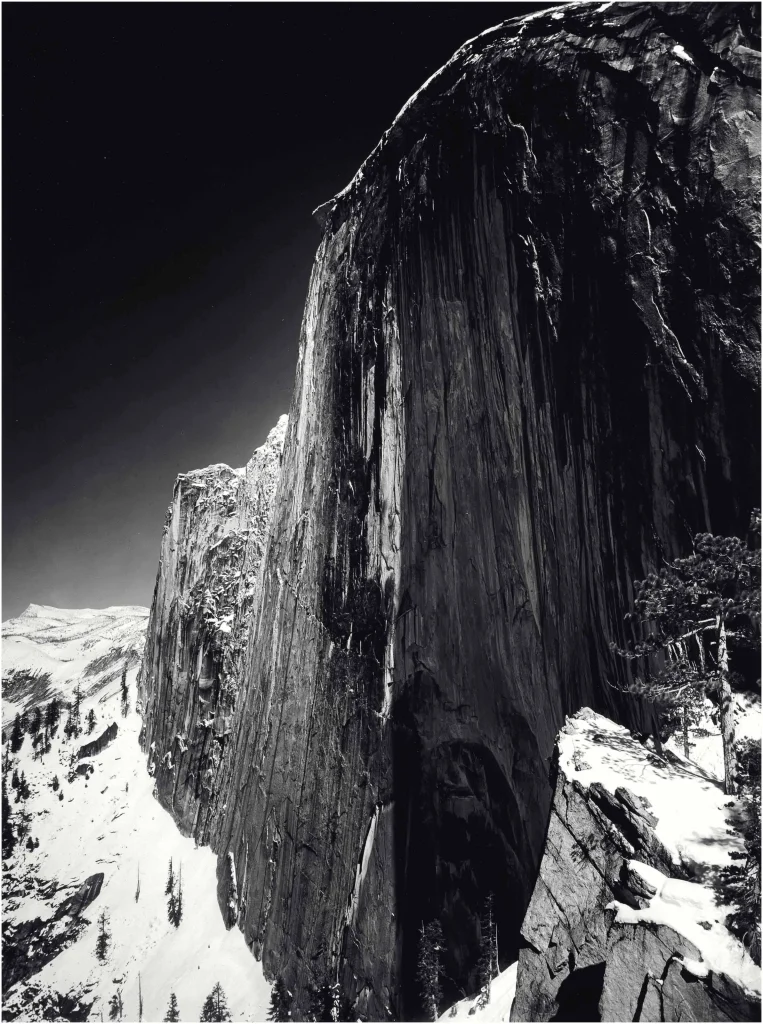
(528, 371)
(209, 570)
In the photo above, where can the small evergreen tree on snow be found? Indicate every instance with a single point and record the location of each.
(697, 612)
(429, 969)
(90, 720)
(172, 1014)
(215, 1006)
(55, 784)
(280, 1001)
(137, 888)
(9, 838)
(22, 790)
(175, 901)
(125, 693)
(140, 999)
(73, 726)
(17, 735)
(15, 779)
(116, 1007)
(170, 881)
(78, 708)
(52, 715)
(103, 940)
(35, 722)
(487, 965)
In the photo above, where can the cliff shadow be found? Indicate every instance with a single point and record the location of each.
(459, 839)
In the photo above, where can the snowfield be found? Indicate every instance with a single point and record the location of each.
(502, 991)
(110, 822)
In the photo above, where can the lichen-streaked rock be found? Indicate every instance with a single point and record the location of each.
(212, 548)
(528, 371)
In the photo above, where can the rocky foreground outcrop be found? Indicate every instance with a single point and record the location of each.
(528, 371)
(628, 919)
(204, 601)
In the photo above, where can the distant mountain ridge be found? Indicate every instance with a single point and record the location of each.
(46, 650)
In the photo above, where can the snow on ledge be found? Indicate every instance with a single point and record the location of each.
(691, 807)
(693, 815)
(688, 908)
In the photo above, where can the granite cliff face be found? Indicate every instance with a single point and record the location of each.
(528, 371)
(626, 921)
(204, 597)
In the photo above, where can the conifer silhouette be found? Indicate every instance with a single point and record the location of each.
(215, 1006)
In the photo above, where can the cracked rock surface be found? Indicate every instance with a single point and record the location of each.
(528, 372)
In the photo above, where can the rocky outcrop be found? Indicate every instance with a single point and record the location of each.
(74, 905)
(99, 743)
(28, 946)
(527, 372)
(212, 548)
(627, 920)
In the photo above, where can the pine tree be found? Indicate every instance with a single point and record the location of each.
(115, 1006)
(52, 715)
(102, 942)
(17, 735)
(320, 1003)
(215, 1006)
(170, 881)
(697, 611)
(22, 792)
(487, 965)
(125, 693)
(280, 1001)
(173, 1014)
(77, 709)
(429, 969)
(90, 720)
(9, 838)
(325, 1003)
(175, 901)
(140, 999)
(179, 900)
(71, 727)
(137, 888)
(35, 722)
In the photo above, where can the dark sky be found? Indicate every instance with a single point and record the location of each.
(160, 165)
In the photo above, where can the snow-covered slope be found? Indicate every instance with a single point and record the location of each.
(106, 820)
(45, 650)
(502, 990)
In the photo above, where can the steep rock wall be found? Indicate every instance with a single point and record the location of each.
(527, 371)
(200, 625)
